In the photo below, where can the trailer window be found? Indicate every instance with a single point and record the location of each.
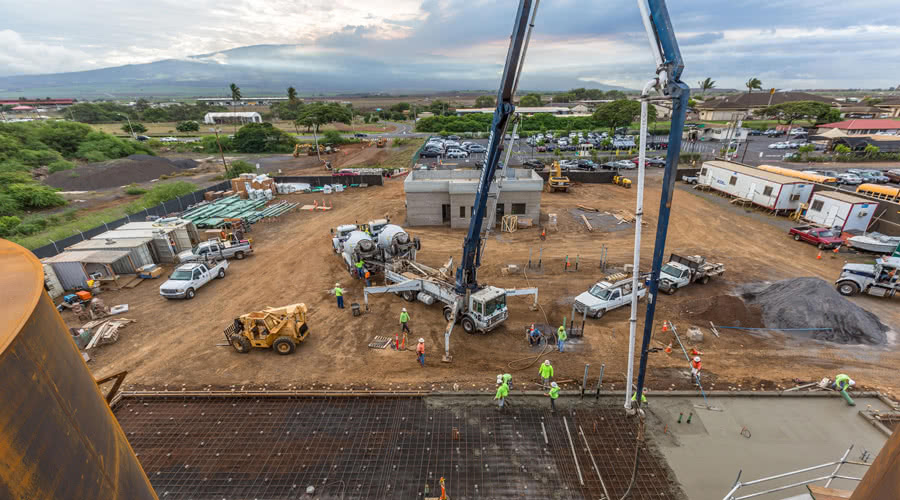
(817, 206)
(767, 191)
(733, 180)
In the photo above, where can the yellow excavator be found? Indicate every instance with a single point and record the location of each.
(278, 328)
(382, 142)
(622, 181)
(556, 181)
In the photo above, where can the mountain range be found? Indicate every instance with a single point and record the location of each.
(270, 69)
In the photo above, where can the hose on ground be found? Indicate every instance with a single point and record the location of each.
(546, 346)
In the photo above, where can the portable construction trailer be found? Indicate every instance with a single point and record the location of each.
(182, 231)
(841, 210)
(73, 269)
(775, 192)
(139, 249)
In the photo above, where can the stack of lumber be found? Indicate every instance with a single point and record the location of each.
(105, 331)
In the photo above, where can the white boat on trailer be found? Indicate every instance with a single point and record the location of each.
(874, 242)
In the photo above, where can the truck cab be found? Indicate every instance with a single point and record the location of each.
(881, 279)
(486, 310)
(605, 296)
(340, 234)
(674, 275)
(187, 278)
(374, 227)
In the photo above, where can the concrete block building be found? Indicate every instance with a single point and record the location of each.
(441, 197)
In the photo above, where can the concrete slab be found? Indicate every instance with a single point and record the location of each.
(785, 434)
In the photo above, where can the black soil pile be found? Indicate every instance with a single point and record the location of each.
(726, 310)
(814, 303)
(116, 173)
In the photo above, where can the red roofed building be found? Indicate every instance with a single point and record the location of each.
(37, 102)
(865, 127)
(23, 108)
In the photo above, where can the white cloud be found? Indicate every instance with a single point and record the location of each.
(18, 56)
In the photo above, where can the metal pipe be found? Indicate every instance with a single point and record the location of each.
(584, 382)
(838, 466)
(544, 430)
(786, 474)
(600, 379)
(781, 488)
(572, 445)
(638, 217)
(597, 469)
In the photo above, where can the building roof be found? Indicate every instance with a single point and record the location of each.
(110, 243)
(893, 101)
(520, 109)
(864, 124)
(860, 142)
(240, 114)
(88, 256)
(168, 224)
(861, 109)
(22, 108)
(754, 172)
(842, 196)
(761, 99)
(8, 102)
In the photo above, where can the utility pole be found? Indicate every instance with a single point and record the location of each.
(221, 152)
(133, 136)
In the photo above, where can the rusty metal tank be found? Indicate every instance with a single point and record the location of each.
(58, 436)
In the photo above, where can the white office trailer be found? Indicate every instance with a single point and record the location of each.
(776, 192)
(841, 210)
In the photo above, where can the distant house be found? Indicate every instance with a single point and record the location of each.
(553, 110)
(236, 117)
(863, 112)
(22, 108)
(865, 127)
(885, 144)
(890, 106)
(245, 101)
(748, 102)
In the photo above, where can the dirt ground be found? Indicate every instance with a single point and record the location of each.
(174, 342)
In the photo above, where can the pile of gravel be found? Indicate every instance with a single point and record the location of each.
(116, 173)
(814, 303)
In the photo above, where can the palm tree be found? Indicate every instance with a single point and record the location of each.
(292, 94)
(705, 85)
(235, 96)
(753, 83)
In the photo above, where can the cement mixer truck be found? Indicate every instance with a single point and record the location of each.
(395, 243)
(358, 245)
(392, 242)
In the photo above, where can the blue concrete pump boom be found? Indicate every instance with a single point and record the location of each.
(670, 65)
(466, 273)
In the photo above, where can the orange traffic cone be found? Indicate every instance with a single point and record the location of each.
(819, 256)
(665, 327)
(669, 348)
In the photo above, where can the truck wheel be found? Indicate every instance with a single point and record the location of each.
(239, 255)
(599, 314)
(409, 296)
(189, 293)
(796, 237)
(447, 313)
(221, 273)
(704, 280)
(821, 246)
(848, 288)
(468, 325)
(240, 343)
(284, 345)
(671, 290)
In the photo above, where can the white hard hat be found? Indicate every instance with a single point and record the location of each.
(499, 379)
(696, 359)
(852, 382)
(554, 384)
(337, 284)
(421, 341)
(404, 309)
(547, 362)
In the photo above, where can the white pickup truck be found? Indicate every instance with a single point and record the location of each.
(187, 278)
(680, 272)
(605, 296)
(218, 250)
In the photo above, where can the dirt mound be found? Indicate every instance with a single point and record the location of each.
(814, 303)
(726, 310)
(115, 173)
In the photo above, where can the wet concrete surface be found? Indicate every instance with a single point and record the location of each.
(786, 433)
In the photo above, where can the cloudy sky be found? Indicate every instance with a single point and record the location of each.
(785, 43)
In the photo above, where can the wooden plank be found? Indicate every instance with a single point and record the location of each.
(883, 476)
(589, 209)
(822, 493)
(586, 223)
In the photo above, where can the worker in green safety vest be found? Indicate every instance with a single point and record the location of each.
(561, 337)
(502, 392)
(643, 396)
(546, 372)
(507, 379)
(359, 269)
(339, 293)
(842, 382)
(554, 394)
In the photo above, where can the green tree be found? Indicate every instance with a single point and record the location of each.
(155, 115)
(400, 107)
(187, 126)
(789, 112)
(261, 138)
(332, 137)
(317, 114)
(235, 97)
(871, 149)
(842, 149)
(141, 105)
(618, 114)
(531, 101)
(485, 101)
(237, 168)
(291, 94)
(707, 84)
(138, 128)
(753, 83)
(35, 196)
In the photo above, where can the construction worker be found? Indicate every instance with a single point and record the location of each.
(643, 396)
(695, 369)
(502, 392)
(359, 268)
(534, 336)
(546, 372)
(554, 394)
(368, 280)
(339, 293)
(561, 337)
(507, 379)
(420, 352)
(404, 328)
(842, 382)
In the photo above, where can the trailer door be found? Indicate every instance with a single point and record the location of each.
(832, 215)
(751, 191)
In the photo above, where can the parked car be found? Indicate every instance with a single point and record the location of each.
(477, 148)
(187, 278)
(615, 165)
(568, 164)
(168, 139)
(877, 176)
(754, 131)
(847, 178)
(605, 296)
(778, 145)
(142, 138)
(656, 161)
(216, 250)
(430, 153)
(457, 153)
(893, 175)
(542, 149)
(535, 164)
(822, 237)
(587, 165)
(453, 137)
(360, 134)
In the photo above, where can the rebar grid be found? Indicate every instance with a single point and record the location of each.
(379, 447)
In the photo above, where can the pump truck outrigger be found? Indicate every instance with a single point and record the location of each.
(475, 306)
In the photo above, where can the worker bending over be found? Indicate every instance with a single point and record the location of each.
(546, 373)
(842, 382)
(534, 336)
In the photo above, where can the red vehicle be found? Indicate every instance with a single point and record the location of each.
(656, 161)
(542, 149)
(822, 237)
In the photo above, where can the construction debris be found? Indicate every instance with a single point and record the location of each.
(588, 209)
(107, 331)
(509, 223)
(380, 342)
(586, 223)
